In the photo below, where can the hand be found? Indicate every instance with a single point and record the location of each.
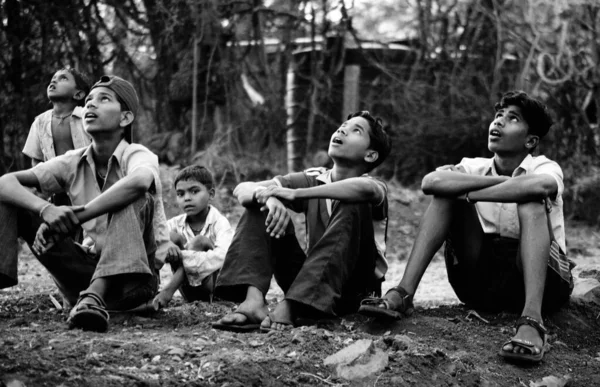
(275, 191)
(45, 238)
(173, 253)
(178, 239)
(200, 243)
(61, 219)
(278, 217)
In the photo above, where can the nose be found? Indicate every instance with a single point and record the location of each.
(342, 131)
(89, 103)
(499, 121)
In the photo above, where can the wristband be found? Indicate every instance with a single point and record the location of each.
(469, 200)
(41, 213)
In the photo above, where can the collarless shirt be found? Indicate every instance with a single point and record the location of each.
(200, 264)
(75, 173)
(502, 218)
(318, 210)
(40, 142)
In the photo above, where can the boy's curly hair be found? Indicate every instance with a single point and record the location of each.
(82, 81)
(535, 113)
(380, 140)
(198, 173)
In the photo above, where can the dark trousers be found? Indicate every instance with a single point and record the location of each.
(127, 255)
(332, 278)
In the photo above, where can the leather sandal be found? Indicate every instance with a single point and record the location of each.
(387, 307)
(89, 317)
(530, 355)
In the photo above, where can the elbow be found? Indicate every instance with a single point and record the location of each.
(141, 184)
(545, 189)
(429, 183)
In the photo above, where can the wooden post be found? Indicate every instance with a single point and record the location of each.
(194, 96)
(351, 90)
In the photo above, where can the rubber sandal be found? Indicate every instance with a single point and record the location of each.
(388, 309)
(530, 356)
(287, 322)
(89, 317)
(249, 326)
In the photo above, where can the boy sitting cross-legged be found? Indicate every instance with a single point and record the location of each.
(343, 261)
(200, 238)
(491, 213)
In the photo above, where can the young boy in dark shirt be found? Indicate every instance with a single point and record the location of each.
(343, 260)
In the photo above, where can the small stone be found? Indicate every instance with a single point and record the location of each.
(155, 359)
(176, 352)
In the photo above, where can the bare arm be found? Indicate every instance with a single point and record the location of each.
(244, 191)
(13, 191)
(453, 184)
(354, 189)
(518, 190)
(122, 193)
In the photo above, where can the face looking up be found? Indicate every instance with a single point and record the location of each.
(62, 86)
(352, 140)
(509, 133)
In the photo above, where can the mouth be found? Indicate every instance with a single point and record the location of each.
(89, 117)
(51, 88)
(336, 140)
(495, 133)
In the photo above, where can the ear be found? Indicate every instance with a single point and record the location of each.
(211, 193)
(126, 118)
(79, 95)
(371, 156)
(532, 141)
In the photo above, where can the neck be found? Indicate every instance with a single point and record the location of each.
(341, 171)
(104, 145)
(506, 165)
(62, 108)
(199, 218)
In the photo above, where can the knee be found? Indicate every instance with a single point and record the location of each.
(530, 210)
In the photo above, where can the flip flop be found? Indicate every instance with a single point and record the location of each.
(388, 309)
(89, 317)
(287, 322)
(530, 356)
(249, 326)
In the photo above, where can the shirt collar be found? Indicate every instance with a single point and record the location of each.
(490, 169)
(325, 177)
(117, 153)
(77, 112)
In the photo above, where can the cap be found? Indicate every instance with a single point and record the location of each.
(122, 88)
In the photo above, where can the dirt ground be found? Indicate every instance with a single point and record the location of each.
(442, 344)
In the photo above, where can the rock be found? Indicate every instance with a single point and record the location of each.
(587, 290)
(176, 352)
(350, 353)
(373, 363)
(402, 343)
(359, 360)
(551, 381)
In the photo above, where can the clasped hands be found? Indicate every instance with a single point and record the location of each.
(58, 222)
(270, 199)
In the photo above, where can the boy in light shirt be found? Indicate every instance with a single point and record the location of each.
(199, 239)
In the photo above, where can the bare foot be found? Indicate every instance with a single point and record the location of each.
(249, 312)
(281, 319)
(162, 299)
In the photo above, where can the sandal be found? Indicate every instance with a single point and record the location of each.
(289, 324)
(387, 308)
(530, 356)
(89, 317)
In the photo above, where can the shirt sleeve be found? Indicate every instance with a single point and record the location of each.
(549, 167)
(141, 157)
(52, 175)
(200, 264)
(33, 147)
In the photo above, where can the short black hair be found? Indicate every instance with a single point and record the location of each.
(82, 81)
(535, 113)
(198, 173)
(380, 140)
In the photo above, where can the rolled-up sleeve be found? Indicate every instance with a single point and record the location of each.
(33, 147)
(549, 167)
(53, 174)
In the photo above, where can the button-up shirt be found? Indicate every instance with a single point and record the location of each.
(75, 173)
(502, 218)
(40, 143)
(199, 264)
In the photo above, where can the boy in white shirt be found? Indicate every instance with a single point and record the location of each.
(491, 213)
(199, 239)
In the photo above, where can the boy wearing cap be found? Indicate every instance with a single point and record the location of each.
(114, 187)
(491, 213)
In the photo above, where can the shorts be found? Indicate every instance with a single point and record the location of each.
(495, 282)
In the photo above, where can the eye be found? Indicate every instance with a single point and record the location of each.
(195, 191)
(514, 118)
(179, 194)
(105, 98)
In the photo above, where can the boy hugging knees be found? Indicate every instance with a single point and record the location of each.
(344, 261)
(494, 216)
(199, 239)
(115, 190)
